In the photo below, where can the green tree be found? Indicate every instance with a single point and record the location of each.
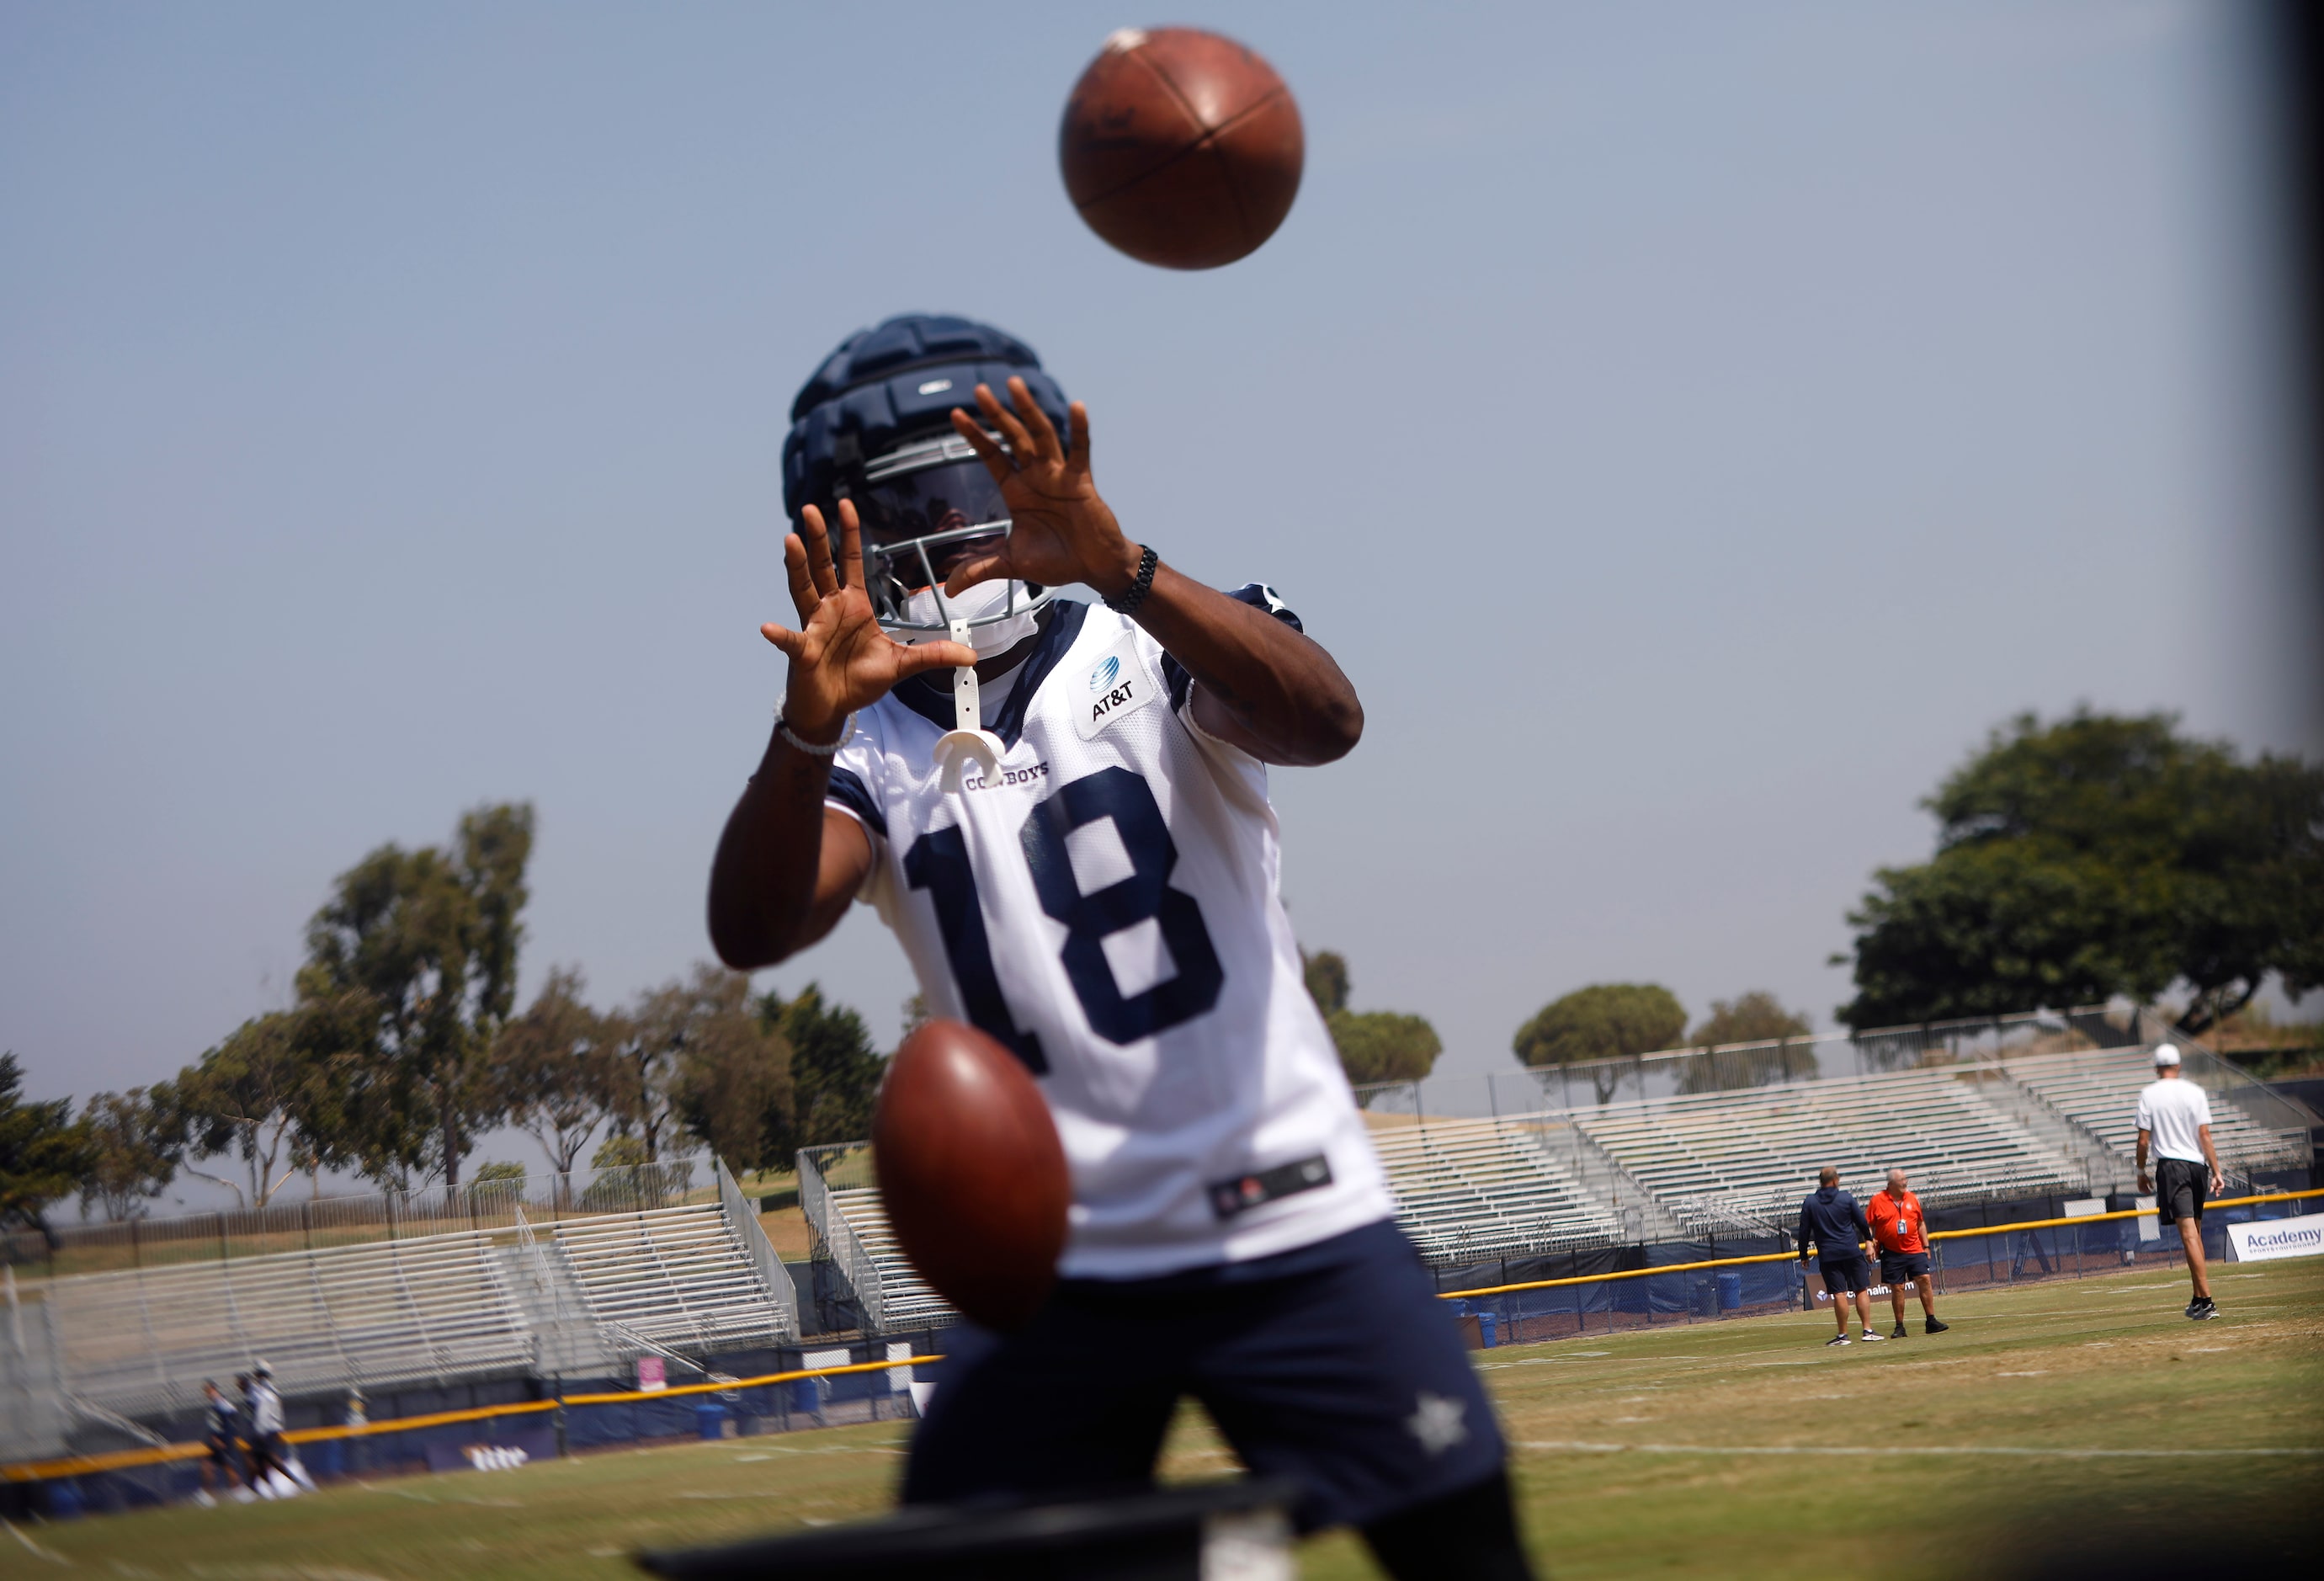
(2094, 857)
(1375, 1045)
(618, 1152)
(1327, 979)
(550, 1067)
(1757, 1017)
(834, 1070)
(417, 952)
(641, 1065)
(136, 1139)
(1603, 1021)
(44, 1154)
(733, 1086)
(264, 1098)
(1381, 1045)
(915, 1012)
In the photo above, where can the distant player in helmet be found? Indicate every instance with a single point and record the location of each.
(1061, 811)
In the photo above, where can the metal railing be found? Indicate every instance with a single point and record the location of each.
(743, 1221)
(1582, 1087)
(830, 1229)
(313, 1223)
(1585, 1085)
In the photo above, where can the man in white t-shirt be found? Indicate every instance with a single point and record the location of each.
(2174, 1115)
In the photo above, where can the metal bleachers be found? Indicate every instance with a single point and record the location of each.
(144, 1340)
(2099, 1091)
(1760, 1150)
(1970, 1123)
(1486, 1187)
(674, 1276)
(905, 1300)
(580, 1294)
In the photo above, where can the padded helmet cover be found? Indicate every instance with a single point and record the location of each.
(893, 382)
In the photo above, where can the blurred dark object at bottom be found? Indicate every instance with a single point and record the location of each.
(1179, 1534)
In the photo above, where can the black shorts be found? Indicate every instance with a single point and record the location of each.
(1334, 1366)
(2180, 1186)
(1902, 1267)
(1851, 1275)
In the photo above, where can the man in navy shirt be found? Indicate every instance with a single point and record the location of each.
(221, 1434)
(1835, 1222)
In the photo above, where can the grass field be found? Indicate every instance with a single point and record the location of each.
(2079, 1424)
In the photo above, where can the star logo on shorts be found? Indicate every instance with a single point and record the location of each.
(1437, 1423)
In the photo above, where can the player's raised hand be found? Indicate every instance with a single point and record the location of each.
(1064, 532)
(841, 660)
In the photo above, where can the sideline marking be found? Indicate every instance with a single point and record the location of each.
(37, 1550)
(1581, 1447)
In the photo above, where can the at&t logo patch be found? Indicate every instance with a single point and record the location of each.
(1119, 683)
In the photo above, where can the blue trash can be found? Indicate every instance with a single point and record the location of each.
(804, 1395)
(1730, 1289)
(713, 1420)
(1485, 1324)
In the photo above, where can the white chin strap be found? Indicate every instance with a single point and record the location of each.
(967, 740)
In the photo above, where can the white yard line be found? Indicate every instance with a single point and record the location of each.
(35, 1549)
(1582, 1446)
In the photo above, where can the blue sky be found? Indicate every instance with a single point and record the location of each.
(1693, 427)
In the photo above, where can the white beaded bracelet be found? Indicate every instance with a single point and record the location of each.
(810, 747)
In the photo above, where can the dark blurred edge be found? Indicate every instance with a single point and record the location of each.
(2289, 39)
(1141, 1534)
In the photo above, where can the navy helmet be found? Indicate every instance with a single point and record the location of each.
(897, 381)
(874, 426)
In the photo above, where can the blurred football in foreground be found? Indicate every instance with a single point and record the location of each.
(972, 1172)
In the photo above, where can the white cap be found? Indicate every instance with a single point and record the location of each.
(2165, 1054)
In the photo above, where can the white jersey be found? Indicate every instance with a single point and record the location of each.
(2175, 1110)
(265, 1409)
(1106, 905)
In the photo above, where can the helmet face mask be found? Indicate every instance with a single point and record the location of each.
(925, 507)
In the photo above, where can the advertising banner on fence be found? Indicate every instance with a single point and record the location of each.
(2269, 1238)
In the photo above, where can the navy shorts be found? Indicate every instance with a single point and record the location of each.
(2180, 1186)
(1851, 1275)
(1334, 1366)
(1899, 1267)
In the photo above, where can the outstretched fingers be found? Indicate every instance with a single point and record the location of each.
(804, 597)
(1037, 421)
(928, 656)
(982, 568)
(851, 545)
(996, 460)
(1077, 457)
(1020, 443)
(818, 551)
(782, 637)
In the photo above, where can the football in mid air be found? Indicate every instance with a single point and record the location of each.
(972, 1172)
(1180, 147)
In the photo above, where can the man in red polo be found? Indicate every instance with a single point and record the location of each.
(1900, 1232)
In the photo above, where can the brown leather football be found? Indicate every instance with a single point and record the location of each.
(1180, 147)
(972, 1172)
